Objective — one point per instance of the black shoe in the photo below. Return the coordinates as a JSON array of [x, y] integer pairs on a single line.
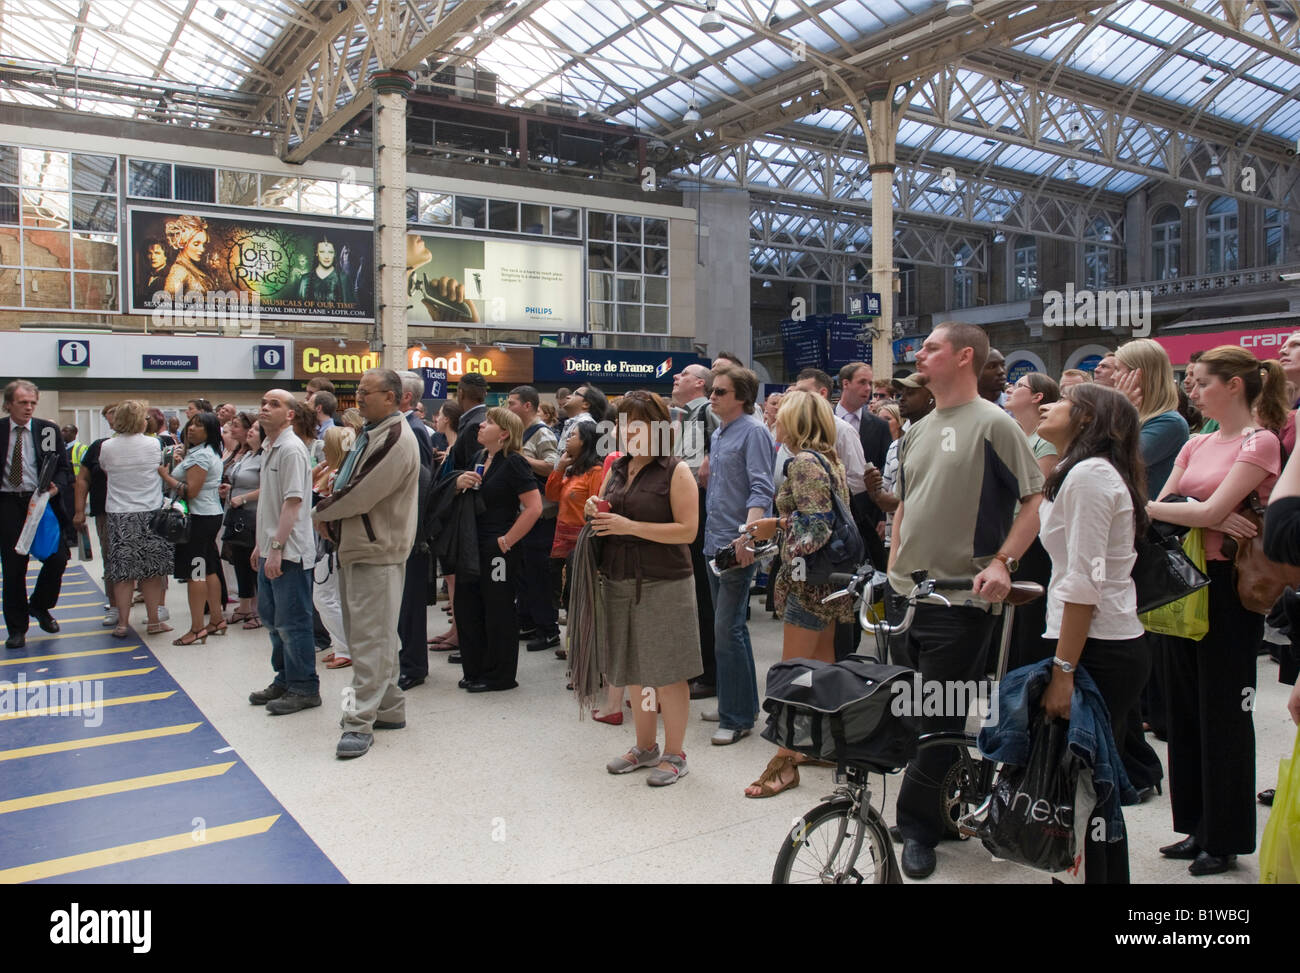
[[264, 696], [1184, 850], [483, 686], [544, 642], [292, 702], [46, 621], [918, 860], [464, 684], [1266, 797], [16, 641], [527, 633], [1146, 793], [702, 690], [1207, 864], [390, 724], [454, 658], [895, 835], [409, 682]]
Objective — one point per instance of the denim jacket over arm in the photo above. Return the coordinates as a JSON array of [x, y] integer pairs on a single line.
[[1019, 700]]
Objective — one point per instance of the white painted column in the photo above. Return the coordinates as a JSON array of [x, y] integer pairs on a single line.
[[389, 126]]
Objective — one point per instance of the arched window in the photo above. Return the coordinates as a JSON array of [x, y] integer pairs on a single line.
[[1275, 221], [1221, 235], [963, 279], [1096, 255], [1166, 233], [1024, 268]]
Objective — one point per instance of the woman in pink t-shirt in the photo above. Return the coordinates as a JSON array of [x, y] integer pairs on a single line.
[[1210, 683]]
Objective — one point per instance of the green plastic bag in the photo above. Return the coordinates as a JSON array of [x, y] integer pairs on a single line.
[[1279, 852], [1186, 618]]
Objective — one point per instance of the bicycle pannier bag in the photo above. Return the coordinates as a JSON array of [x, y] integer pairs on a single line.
[[842, 711]]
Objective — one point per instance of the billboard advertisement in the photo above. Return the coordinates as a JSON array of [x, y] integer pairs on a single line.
[[1263, 343], [509, 284], [280, 268]]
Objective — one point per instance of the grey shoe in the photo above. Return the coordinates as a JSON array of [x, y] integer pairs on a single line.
[[724, 738], [163, 613], [662, 778], [263, 696], [710, 717], [353, 744], [110, 618], [292, 702], [644, 758]]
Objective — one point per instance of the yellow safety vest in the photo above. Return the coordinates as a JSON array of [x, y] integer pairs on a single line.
[[77, 451]]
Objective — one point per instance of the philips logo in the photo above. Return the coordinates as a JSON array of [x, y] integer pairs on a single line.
[[664, 368], [529, 309]]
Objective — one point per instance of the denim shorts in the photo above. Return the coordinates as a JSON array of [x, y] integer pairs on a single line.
[[800, 617]]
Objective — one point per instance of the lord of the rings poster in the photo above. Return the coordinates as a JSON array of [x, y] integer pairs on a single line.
[[295, 268]]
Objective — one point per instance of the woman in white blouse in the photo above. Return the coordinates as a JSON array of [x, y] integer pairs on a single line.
[[1093, 507]]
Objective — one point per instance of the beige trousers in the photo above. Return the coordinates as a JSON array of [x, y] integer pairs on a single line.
[[371, 596]]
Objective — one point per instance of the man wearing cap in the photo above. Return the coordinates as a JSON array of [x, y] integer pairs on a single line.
[[914, 402]]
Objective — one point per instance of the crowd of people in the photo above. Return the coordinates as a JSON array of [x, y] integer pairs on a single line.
[[621, 533]]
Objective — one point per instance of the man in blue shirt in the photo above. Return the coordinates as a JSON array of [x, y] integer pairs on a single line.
[[740, 492]]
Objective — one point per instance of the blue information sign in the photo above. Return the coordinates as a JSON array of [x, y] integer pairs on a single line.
[[269, 358], [170, 363], [74, 353], [864, 305], [435, 382], [845, 345]]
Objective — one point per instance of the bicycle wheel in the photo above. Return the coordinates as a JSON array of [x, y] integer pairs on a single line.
[[832, 846]]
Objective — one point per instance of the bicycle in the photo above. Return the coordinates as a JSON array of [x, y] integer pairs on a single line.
[[827, 844]]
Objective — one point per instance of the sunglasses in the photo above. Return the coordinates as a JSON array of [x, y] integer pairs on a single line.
[[720, 392]]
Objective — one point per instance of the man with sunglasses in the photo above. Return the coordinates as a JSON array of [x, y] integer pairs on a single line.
[[740, 491]]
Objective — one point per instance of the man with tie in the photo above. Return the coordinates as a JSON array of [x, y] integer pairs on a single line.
[[30, 446]]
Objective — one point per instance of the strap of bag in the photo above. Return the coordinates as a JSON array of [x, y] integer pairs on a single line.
[[841, 743]]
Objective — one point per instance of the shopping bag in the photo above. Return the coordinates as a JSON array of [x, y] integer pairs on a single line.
[[1279, 852], [1186, 618], [48, 538], [36, 507], [1031, 812]]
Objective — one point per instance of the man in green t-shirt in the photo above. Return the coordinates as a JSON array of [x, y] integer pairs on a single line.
[[962, 469]]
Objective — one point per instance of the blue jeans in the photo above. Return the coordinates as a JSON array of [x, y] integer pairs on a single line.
[[737, 681], [285, 607]]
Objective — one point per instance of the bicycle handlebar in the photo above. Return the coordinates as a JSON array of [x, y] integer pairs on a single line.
[[862, 587]]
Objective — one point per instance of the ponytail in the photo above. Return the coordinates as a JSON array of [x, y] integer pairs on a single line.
[[1272, 406]]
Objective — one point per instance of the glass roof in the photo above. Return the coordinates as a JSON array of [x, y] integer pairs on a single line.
[[645, 62]]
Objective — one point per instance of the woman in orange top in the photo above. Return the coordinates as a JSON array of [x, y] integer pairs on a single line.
[[577, 476]]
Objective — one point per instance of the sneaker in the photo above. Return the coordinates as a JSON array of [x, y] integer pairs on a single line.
[[642, 758], [353, 744], [662, 778], [527, 634], [292, 702], [264, 696], [710, 717], [110, 618], [724, 738], [163, 613], [543, 642]]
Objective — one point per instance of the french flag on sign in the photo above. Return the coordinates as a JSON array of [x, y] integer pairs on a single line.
[[664, 368]]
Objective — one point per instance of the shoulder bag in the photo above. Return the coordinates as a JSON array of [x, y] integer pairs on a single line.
[[1260, 580], [843, 551], [171, 521]]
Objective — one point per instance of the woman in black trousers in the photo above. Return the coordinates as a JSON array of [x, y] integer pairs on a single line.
[[1209, 684], [486, 618]]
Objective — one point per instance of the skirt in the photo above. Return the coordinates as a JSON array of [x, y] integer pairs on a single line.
[[653, 642], [198, 557], [134, 552]]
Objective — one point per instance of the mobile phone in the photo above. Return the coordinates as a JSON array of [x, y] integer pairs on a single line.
[[602, 505], [479, 468]]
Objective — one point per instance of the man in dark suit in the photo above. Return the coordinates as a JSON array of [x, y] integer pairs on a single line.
[[471, 393], [413, 616], [34, 455]]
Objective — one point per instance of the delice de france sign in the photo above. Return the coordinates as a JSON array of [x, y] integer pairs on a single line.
[[606, 369]]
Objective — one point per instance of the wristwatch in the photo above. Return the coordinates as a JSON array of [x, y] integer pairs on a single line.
[[1012, 564], [276, 545], [1064, 666]]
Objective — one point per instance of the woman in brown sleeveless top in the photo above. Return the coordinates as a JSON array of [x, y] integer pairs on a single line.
[[647, 592]]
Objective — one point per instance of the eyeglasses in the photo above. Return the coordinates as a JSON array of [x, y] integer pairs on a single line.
[[719, 392], [881, 395]]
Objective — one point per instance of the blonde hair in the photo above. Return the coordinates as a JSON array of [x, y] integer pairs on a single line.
[[1159, 390], [503, 418], [1264, 383], [338, 440], [805, 421], [891, 409], [129, 416], [353, 419]]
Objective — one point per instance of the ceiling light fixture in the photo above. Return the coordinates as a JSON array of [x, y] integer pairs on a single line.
[[1191, 201], [999, 237], [692, 113], [711, 22], [959, 8], [1215, 171], [1074, 131], [1070, 174]]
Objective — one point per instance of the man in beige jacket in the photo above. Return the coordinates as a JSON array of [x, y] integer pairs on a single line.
[[371, 517]]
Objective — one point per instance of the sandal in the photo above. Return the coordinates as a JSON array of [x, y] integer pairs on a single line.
[[238, 616], [157, 628], [219, 629], [338, 663], [121, 632], [253, 621], [803, 760], [772, 781], [190, 637]]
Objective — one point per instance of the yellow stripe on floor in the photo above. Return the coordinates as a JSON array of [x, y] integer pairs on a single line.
[[70, 708], [113, 787], [65, 621], [41, 750], [46, 637], [82, 604], [65, 655], [140, 849], [114, 674]]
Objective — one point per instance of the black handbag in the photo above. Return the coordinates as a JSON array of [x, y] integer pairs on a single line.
[[171, 521], [843, 551], [240, 524], [1163, 572]]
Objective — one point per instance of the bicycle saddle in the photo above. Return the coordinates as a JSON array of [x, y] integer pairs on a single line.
[[1023, 592]]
